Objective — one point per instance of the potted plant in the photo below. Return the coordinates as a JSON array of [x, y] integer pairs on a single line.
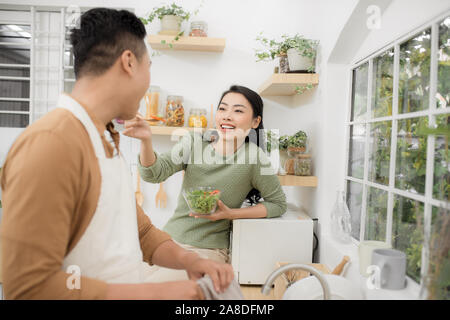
[[297, 143], [300, 49], [288, 146], [171, 17], [273, 49], [302, 53]]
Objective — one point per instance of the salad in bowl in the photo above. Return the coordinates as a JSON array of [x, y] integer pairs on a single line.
[[202, 200]]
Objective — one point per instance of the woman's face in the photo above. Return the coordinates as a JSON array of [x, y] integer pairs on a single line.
[[234, 117]]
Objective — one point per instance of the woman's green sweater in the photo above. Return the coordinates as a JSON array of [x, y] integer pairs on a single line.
[[234, 175]]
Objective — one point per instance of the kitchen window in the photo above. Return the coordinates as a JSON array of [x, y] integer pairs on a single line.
[[36, 61], [398, 173]]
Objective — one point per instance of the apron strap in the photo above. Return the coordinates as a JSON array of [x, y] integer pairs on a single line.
[[78, 111]]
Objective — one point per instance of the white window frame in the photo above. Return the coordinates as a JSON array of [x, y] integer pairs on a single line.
[[61, 46], [431, 112]]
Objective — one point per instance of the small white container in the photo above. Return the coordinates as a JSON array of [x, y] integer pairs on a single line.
[[170, 25], [298, 62]]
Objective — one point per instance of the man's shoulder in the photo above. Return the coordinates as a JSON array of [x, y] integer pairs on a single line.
[[57, 129], [58, 123]]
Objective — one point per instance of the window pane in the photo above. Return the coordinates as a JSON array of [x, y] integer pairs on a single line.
[[443, 87], [15, 72], [15, 47], [359, 92], [354, 200], [14, 89], [13, 120], [439, 263], [407, 232], [411, 156], [382, 82], [441, 182], [376, 214], [356, 151], [414, 77], [68, 52], [69, 74], [68, 86], [380, 150], [14, 105]]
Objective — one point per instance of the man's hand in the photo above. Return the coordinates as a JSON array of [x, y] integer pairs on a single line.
[[170, 255], [221, 273]]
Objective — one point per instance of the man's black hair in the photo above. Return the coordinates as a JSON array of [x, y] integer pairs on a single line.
[[102, 37]]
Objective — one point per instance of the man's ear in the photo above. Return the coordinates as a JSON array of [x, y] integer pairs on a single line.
[[127, 60]]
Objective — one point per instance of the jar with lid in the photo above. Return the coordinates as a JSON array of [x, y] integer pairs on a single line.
[[198, 29], [302, 165], [295, 151], [152, 105], [197, 118], [174, 111]]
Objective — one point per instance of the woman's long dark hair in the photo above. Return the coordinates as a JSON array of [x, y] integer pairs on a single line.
[[257, 135]]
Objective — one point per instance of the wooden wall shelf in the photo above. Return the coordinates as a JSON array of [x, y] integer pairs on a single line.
[[300, 181], [168, 131], [187, 43], [284, 84]]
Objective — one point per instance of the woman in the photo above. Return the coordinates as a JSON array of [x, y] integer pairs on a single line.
[[233, 163]]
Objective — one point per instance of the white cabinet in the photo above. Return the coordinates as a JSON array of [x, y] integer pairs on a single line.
[[257, 244]]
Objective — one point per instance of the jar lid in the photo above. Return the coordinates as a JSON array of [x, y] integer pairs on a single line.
[[303, 156], [175, 98], [154, 88], [198, 23]]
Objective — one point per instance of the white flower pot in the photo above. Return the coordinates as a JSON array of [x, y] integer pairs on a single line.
[[297, 62], [170, 25]]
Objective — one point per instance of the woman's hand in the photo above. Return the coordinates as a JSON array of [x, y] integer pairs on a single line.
[[138, 128], [223, 212]]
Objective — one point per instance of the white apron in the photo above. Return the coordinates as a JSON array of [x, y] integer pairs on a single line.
[[109, 249]]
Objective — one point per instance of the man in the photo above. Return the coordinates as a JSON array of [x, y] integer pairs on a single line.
[[68, 201]]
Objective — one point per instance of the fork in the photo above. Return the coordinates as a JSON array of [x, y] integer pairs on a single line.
[[161, 197]]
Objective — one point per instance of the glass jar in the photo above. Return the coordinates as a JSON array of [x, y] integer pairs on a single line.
[[289, 164], [174, 111], [284, 63], [197, 118], [302, 165], [152, 105], [198, 29], [295, 151]]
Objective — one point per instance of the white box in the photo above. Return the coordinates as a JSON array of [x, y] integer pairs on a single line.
[[257, 244]]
